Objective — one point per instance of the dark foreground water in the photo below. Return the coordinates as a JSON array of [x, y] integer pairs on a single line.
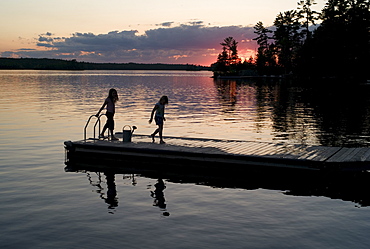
[[45, 205]]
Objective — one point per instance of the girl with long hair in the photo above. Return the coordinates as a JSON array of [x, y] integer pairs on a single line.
[[159, 118], [109, 102]]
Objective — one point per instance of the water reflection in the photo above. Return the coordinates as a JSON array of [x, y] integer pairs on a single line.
[[344, 115], [158, 195], [227, 94], [110, 197], [253, 109], [347, 186], [329, 114]]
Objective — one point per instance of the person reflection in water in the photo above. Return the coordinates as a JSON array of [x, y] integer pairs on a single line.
[[111, 199], [110, 102], [158, 195]]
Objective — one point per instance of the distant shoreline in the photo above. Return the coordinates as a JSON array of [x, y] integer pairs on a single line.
[[58, 64]]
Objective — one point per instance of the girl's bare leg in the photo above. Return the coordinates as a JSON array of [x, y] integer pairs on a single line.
[[103, 131], [160, 128], [154, 133]]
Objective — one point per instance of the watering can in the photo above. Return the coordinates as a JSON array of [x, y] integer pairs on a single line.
[[127, 134]]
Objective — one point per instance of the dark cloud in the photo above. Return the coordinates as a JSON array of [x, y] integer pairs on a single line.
[[45, 39], [165, 24], [186, 43], [196, 23]]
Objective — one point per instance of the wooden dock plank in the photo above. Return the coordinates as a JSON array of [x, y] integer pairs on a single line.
[[244, 146], [227, 146], [280, 151], [351, 152], [191, 144], [358, 154], [355, 155], [180, 147], [366, 156], [224, 146], [188, 143], [341, 155], [319, 153], [247, 151], [235, 145], [311, 151], [263, 149], [325, 153], [294, 151]]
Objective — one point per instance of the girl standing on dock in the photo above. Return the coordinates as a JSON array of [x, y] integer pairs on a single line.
[[159, 118], [110, 102]]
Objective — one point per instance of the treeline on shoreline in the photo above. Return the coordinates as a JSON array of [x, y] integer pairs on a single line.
[[58, 64], [306, 44]]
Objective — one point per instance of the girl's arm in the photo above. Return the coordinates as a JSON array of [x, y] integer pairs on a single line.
[[101, 108], [152, 114]]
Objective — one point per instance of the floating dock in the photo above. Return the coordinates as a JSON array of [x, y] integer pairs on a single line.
[[208, 154]]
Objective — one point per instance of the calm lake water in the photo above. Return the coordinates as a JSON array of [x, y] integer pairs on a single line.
[[46, 206]]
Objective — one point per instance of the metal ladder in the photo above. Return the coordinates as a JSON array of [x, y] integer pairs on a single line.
[[97, 122]]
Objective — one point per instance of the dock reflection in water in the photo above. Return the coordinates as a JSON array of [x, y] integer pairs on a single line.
[[347, 186]]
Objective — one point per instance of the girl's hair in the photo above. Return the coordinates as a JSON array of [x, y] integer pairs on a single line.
[[110, 95], [165, 98]]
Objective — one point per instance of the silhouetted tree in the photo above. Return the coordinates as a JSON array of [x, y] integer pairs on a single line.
[[341, 46], [266, 58], [287, 39], [228, 61], [231, 48], [307, 15]]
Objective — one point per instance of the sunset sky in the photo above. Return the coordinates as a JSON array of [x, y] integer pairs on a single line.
[[139, 31]]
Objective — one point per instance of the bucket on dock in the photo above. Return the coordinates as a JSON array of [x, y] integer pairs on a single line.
[[127, 134]]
